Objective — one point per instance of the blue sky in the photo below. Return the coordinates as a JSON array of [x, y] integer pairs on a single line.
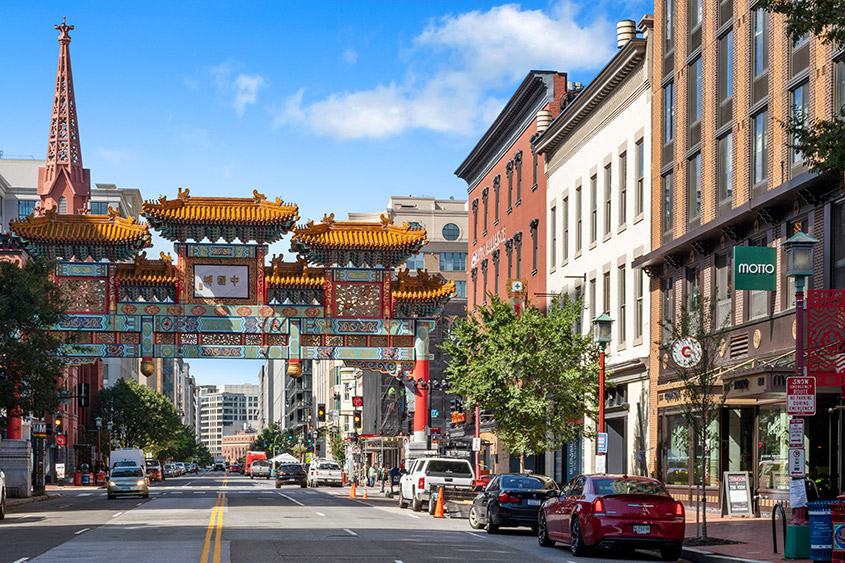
[[333, 105]]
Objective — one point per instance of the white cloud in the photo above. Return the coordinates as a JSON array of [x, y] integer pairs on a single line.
[[246, 91], [477, 53], [114, 156], [350, 56]]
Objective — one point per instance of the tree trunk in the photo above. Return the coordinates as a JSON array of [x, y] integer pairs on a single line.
[[522, 463], [704, 481]]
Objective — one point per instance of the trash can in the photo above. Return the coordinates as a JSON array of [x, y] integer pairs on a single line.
[[86, 479], [821, 530], [77, 478], [837, 514]]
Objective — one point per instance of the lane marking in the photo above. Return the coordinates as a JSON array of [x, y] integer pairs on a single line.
[[84, 494], [64, 506], [350, 532], [207, 544], [83, 530], [398, 561], [21, 560], [319, 514], [176, 492], [217, 541], [411, 515], [291, 499], [186, 484], [473, 534], [139, 504], [199, 492], [118, 514]]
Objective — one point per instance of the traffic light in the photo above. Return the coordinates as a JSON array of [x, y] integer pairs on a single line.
[[456, 404], [57, 424], [357, 419], [83, 394], [321, 412]]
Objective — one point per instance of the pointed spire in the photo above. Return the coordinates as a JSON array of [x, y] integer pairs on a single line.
[[63, 176]]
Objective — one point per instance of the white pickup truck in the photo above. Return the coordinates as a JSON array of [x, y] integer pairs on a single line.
[[324, 471], [431, 472]]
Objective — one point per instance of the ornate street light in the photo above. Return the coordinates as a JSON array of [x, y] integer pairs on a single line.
[[601, 334]]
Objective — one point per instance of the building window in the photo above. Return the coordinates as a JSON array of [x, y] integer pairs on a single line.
[[694, 102], [415, 225], [760, 46], [26, 207], [621, 319], [496, 271], [517, 240], [474, 277], [639, 311], [509, 251], [838, 246], [484, 282], [594, 209], [509, 172], [451, 230], [518, 164], [592, 299], [484, 194], [623, 188], [695, 14], [99, 208], [759, 148], [453, 261], [497, 180], [579, 320], [639, 154], [553, 236], [534, 164], [608, 191], [725, 173], [839, 86], [474, 222], [726, 67], [667, 308], [534, 245], [667, 201], [800, 102], [758, 305], [605, 297], [565, 213], [668, 113], [668, 25], [694, 192], [416, 262], [578, 219], [461, 289], [724, 289]]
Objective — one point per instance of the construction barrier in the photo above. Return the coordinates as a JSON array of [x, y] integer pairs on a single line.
[[101, 478], [837, 514], [821, 530]]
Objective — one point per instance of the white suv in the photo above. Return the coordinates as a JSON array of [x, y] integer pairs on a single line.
[[427, 472]]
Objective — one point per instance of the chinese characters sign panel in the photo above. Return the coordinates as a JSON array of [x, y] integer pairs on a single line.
[[221, 281]]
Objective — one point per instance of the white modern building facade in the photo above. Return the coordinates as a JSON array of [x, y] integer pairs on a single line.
[[597, 155], [225, 410]]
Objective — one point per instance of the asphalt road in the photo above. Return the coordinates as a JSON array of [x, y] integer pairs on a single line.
[[216, 518]]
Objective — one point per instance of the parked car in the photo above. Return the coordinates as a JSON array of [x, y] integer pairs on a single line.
[[291, 473], [234, 468], [179, 468], [2, 495], [613, 511], [169, 470], [511, 499], [260, 468], [324, 471], [427, 472], [126, 480]]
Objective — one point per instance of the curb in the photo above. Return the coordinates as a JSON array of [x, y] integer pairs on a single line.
[[12, 502], [696, 555]]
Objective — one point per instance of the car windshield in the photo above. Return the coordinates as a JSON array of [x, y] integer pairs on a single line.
[[446, 466], [329, 466], [523, 482], [628, 487], [127, 472], [291, 468]]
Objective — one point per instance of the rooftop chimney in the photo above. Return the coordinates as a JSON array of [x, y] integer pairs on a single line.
[[625, 31], [544, 118]]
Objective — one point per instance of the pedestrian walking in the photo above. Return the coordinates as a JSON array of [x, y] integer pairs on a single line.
[[372, 476]]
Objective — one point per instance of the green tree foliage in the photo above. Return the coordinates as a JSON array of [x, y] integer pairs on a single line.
[[533, 372], [273, 440], [30, 356], [702, 392], [821, 141], [338, 447]]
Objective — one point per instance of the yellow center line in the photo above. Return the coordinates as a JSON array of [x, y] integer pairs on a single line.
[[219, 530], [206, 546]]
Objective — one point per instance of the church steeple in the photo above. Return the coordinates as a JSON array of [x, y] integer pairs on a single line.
[[63, 182]]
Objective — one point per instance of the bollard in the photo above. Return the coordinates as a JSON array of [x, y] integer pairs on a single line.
[[821, 530]]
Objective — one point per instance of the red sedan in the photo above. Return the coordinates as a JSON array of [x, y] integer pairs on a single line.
[[613, 511]]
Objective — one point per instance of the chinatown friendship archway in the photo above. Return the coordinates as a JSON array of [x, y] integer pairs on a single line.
[[340, 299]]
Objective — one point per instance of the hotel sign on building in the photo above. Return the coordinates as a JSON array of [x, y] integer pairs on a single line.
[[755, 268]]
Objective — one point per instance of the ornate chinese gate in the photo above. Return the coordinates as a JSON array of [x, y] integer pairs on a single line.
[[340, 299]]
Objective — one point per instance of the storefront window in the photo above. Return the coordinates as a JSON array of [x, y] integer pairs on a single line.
[[839, 244], [773, 428], [711, 474], [677, 452], [740, 442]]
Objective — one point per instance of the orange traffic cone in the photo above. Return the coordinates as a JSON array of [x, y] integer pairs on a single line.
[[352, 490], [365, 494], [438, 508]]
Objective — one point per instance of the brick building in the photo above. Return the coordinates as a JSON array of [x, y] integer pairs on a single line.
[[726, 77]]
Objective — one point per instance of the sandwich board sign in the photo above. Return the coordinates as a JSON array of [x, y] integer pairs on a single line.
[[737, 493]]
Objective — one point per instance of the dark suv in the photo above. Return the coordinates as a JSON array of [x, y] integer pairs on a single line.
[[291, 473]]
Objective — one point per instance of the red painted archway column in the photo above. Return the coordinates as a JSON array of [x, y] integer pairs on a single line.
[[420, 399]]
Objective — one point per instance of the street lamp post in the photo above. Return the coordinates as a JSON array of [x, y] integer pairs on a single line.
[[99, 421], [601, 334], [799, 265]]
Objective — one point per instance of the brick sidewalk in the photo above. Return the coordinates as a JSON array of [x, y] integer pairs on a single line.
[[755, 533]]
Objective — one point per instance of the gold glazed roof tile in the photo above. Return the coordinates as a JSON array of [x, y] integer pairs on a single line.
[[145, 271], [349, 234], [293, 274], [422, 287], [104, 229], [231, 210]]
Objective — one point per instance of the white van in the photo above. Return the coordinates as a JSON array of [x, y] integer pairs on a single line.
[[124, 457]]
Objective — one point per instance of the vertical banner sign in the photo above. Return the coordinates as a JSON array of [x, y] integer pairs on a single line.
[[800, 396], [755, 268], [826, 335]]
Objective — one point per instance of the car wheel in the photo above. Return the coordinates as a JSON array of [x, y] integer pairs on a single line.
[[402, 503], [671, 553], [473, 519], [416, 503], [576, 541], [490, 527], [543, 532]]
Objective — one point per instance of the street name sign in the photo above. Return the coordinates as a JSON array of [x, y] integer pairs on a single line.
[[755, 267], [796, 433], [800, 396], [797, 460]]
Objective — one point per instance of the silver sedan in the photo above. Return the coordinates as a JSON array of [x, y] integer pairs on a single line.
[[128, 481]]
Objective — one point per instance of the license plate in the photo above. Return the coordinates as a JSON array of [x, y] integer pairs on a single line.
[[641, 529], [533, 502]]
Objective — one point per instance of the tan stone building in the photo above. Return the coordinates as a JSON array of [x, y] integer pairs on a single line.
[[726, 77]]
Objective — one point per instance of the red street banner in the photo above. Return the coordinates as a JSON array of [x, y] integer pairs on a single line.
[[826, 336]]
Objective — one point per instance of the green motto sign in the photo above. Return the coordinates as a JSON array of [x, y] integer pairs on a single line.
[[755, 267]]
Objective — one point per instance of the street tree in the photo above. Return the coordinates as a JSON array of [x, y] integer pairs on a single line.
[[532, 371], [820, 140], [31, 357], [702, 392], [338, 446], [273, 440]]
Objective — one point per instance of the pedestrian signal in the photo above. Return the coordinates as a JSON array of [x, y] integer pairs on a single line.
[[83, 394]]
